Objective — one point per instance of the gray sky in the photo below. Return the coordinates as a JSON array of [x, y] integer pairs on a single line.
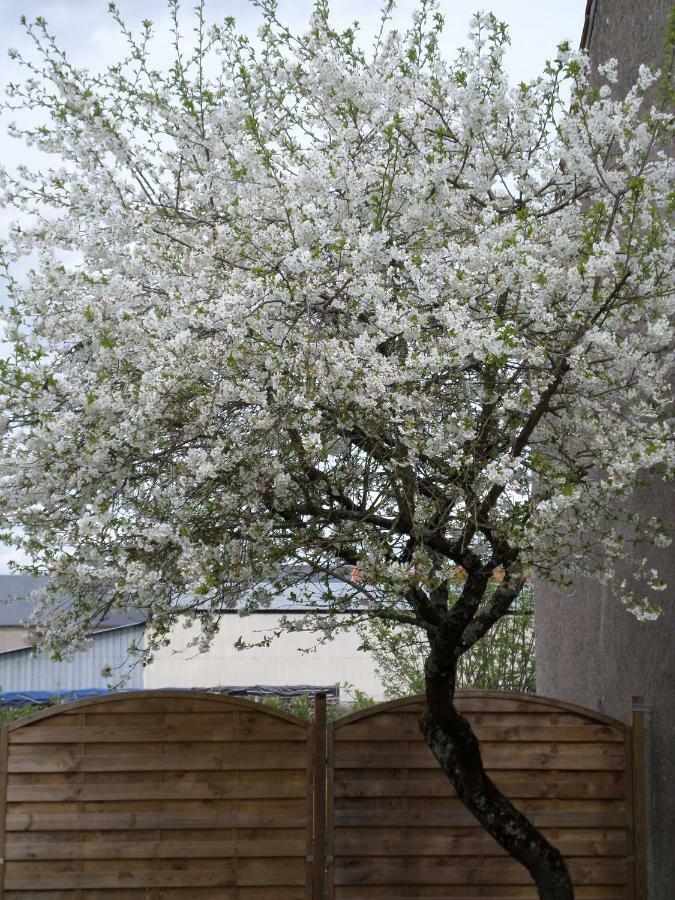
[[86, 31]]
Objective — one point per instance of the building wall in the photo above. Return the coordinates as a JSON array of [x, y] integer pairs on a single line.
[[630, 31], [282, 663], [21, 671], [13, 638], [590, 650]]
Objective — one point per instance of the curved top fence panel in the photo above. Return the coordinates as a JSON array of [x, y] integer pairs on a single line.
[[172, 792], [146, 698], [496, 701], [180, 794], [400, 831]]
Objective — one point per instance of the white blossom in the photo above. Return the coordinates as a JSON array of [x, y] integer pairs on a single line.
[[329, 308]]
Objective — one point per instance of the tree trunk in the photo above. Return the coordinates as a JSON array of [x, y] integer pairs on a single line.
[[455, 746]]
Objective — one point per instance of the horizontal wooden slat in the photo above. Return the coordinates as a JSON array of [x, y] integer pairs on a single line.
[[569, 842], [278, 807], [261, 749], [153, 762], [281, 892], [173, 714], [553, 818], [172, 702], [37, 734], [150, 850], [470, 892], [409, 721], [218, 778], [383, 870], [199, 874], [440, 804], [478, 703], [190, 835], [362, 731], [155, 791], [161, 820], [515, 784], [495, 756]]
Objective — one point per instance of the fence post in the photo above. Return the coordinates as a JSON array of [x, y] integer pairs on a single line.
[[319, 823], [639, 804], [4, 755]]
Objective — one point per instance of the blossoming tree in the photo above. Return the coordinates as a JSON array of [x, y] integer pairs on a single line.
[[296, 308]]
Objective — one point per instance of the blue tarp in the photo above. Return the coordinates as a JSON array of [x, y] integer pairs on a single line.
[[45, 698]]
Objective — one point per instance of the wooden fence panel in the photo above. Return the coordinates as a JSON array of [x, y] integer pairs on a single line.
[[161, 795], [399, 831], [177, 795]]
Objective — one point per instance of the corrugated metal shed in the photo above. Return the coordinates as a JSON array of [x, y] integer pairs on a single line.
[[21, 671]]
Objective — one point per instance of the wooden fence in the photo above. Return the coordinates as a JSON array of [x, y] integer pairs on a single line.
[[173, 794], [158, 794], [396, 828]]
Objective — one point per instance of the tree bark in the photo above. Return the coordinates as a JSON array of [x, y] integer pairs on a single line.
[[454, 744]]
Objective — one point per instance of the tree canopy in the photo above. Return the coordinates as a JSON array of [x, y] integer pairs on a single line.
[[320, 307], [296, 308]]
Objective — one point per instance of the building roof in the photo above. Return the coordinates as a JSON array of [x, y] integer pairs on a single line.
[[16, 604], [307, 595]]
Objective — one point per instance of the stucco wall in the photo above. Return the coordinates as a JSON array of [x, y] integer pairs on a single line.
[[589, 649], [282, 663]]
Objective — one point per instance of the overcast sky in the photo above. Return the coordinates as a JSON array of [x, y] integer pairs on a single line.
[[86, 31]]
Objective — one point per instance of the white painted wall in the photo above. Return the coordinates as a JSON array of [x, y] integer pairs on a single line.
[[282, 663]]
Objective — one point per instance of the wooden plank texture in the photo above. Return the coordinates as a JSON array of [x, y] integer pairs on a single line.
[[280, 892], [471, 892], [558, 733], [205, 761], [579, 757], [159, 796], [401, 832], [173, 795], [157, 849], [113, 734]]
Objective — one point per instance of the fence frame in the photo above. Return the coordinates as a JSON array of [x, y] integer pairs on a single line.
[[636, 771]]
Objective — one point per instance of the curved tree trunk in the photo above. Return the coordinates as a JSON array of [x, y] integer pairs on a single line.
[[455, 746]]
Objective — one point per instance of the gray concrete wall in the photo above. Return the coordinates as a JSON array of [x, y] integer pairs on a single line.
[[590, 650], [631, 31]]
